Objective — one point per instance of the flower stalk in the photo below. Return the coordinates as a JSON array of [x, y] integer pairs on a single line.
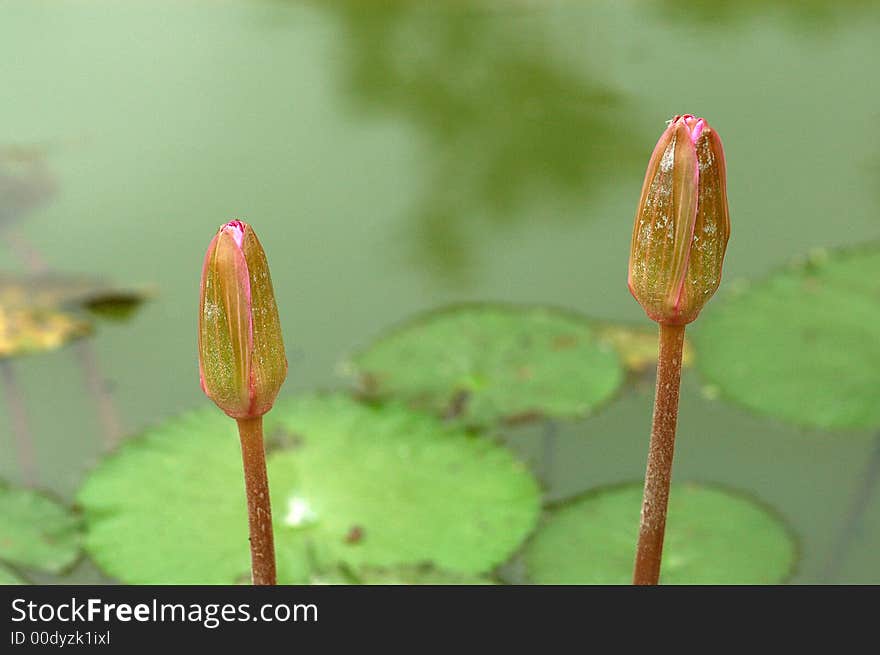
[[680, 236], [242, 365], [658, 476], [256, 482]]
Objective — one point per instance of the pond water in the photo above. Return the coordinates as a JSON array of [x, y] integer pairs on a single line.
[[411, 155]]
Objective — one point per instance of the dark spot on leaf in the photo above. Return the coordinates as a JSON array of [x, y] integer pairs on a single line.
[[523, 417], [812, 285], [369, 384], [458, 404], [354, 535], [524, 373], [282, 439], [564, 342], [809, 335]]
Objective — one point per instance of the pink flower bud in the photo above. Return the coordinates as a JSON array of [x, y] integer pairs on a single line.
[[682, 223], [242, 364]]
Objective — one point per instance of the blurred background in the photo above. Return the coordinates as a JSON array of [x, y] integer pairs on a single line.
[[398, 156]]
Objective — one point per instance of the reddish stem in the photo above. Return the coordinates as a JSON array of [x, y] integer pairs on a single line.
[[259, 508], [660, 452]]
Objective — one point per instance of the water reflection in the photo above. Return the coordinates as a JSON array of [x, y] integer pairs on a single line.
[[512, 131]]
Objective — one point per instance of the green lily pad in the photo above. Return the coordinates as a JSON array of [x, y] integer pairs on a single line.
[[383, 486], [484, 364], [351, 484], [37, 532], [401, 575], [713, 536], [7, 577], [803, 345], [169, 507]]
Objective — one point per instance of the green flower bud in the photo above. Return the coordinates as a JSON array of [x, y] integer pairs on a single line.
[[242, 364], [682, 223]]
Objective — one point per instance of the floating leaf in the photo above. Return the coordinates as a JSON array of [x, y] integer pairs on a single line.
[[351, 484], [402, 575], [37, 532], [637, 346], [115, 304], [803, 345], [712, 537], [55, 290], [387, 486], [169, 507], [44, 312], [7, 577], [26, 331], [489, 363]]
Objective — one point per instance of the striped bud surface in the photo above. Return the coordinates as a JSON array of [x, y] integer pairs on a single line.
[[242, 363], [682, 223]]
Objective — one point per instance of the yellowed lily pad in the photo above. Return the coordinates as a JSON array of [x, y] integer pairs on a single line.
[[24, 331], [637, 345], [42, 313]]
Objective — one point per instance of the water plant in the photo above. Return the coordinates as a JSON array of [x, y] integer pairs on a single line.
[[242, 365], [679, 239], [752, 354], [716, 536], [40, 312], [356, 488], [485, 364], [37, 533]]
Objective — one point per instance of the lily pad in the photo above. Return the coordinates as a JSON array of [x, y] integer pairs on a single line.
[[43, 312], [383, 486], [402, 575], [637, 345], [114, 304], [484, 364], [351, 485], [7, 577], [37, 532], [31, 330], [803, 345], [169, 507], [713, 536]]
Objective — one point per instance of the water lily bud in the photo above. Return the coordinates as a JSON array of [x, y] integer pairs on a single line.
[[682, 223], [242, 364]]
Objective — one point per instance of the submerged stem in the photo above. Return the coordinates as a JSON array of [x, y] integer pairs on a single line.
[[21, 431], [548, 451], [259, 508], [855, 518], [660, 452], [97, 386]]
